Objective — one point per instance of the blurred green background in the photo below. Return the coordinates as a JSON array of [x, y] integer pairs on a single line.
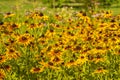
[[24, 5]]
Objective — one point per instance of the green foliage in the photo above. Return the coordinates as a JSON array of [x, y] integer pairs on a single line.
[[1, 17], [87, 3], [107, 3]]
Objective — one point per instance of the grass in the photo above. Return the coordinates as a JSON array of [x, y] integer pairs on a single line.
[[21, 6], [24, 5]]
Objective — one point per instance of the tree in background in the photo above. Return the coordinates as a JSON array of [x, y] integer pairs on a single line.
[[88, 4], [108, 3]]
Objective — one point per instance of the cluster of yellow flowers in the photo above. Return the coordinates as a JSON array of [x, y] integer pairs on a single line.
[[55, 41]]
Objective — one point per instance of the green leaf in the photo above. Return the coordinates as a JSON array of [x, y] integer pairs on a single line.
[[1, 17]]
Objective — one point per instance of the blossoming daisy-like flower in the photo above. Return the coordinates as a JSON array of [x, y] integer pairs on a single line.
[[78, 48], [70, 63], [24, 39], [55, 52], [8, 14], [52, 66], [2, 59], [117, 51], [13, 26], [48, 65], [98, 58], [90, 57], [82, 59], [100, 70], [79, 14], [41, 14], [107, 14], [58, 17], [56, 60], [36, 70], [32, 25], [2, 74], [12, 53], [42, 41], [113, 26], [45, 18], [6, 67]]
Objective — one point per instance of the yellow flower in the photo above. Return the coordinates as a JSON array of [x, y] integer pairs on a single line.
[[67, 47], [42, 41], [82, 59], [102, 26], [45, 18], [2, 59], [10, 43], [41, 14], [114, 40], [45, 64], [116, 50], [77, 48], [50, 33], [2, 74], [36, 70], [12, 53], [52, 66], [58, 17], [56, 60], [70, 63], [37, 15], [24, 39], [8, 15], [98, 58], [79, 14], [33, 25], [100, 70], [56, 25], [90, 57], [49, 65], [6, 67], [55, 52], [98, 49], [113, 26], [40, 25], [13, 26], [108, 14]]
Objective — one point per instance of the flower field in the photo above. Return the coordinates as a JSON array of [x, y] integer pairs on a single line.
[[66, 45]]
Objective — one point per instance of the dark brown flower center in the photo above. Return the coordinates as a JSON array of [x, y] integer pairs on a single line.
[[50, 63], [24, 38], [36, 69], [11, 50]]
